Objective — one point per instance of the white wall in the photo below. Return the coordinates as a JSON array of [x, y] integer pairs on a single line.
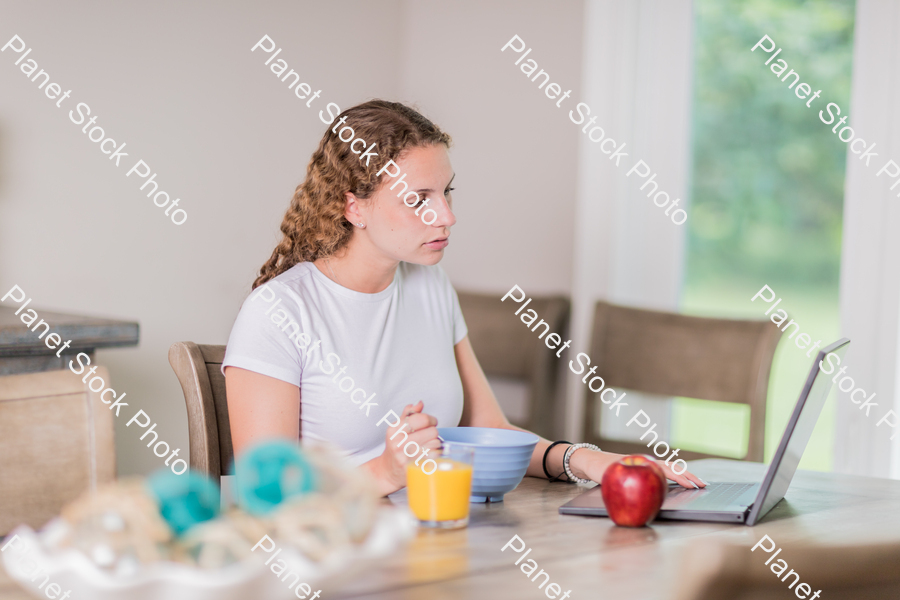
[[515, 153], [178, 83]]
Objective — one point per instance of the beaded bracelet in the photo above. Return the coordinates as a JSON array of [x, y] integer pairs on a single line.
[[571, 450]]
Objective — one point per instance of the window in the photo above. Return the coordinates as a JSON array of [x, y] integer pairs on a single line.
[[767, 198]]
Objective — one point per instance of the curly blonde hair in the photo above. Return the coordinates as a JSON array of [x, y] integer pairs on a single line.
[[314, 225]]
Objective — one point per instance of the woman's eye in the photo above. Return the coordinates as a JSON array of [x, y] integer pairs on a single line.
[[448, 190]]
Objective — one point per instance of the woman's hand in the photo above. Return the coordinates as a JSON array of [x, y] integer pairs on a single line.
[[590, 464], [389, 469]]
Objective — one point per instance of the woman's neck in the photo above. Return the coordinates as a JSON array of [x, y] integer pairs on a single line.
[[359, 270]]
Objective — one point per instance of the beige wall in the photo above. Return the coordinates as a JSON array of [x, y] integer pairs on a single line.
[[516, 154], [178, 84]]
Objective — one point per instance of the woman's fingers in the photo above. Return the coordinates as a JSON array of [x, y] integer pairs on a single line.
[[425, 431], [418, 428], [424, 438], [433, 444], [695, 479], [686, 479], [410, 409], [413, 419], [682, 481], [419, 421], [429, 443], [415, 427], [405, 414], [407, 410]]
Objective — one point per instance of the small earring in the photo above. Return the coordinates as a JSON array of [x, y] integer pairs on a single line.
[[362, 225]]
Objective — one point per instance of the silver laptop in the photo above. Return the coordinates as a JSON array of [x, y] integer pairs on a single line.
[[742, 502]]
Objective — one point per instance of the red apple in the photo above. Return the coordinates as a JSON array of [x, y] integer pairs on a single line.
[[633, 489]]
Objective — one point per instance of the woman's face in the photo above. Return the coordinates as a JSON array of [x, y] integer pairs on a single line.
[[394, 227]]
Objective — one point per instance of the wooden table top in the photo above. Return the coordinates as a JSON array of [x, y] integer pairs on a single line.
[[592, 557], [89, 333]]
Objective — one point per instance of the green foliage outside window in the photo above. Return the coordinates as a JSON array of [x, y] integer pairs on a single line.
[[767, 195], [768, 175]]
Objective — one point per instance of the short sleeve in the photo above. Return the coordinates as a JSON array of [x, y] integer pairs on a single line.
[[263, 339], [460, 330]]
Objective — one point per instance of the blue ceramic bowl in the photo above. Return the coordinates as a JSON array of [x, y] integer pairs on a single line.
[[501, 458]]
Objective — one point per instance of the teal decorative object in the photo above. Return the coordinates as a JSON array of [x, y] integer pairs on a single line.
[[184, 500], [269, 473]]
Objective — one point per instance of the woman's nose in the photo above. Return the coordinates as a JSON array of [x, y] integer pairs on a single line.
[[445, 216]]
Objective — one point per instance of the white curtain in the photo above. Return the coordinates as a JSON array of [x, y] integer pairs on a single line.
[[870, 261], [637, 79]]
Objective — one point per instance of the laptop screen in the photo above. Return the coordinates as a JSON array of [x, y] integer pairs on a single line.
[[798, 431]]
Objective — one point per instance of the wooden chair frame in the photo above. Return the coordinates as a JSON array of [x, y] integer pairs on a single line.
[[198, 368], [505, 346], [679, 355]]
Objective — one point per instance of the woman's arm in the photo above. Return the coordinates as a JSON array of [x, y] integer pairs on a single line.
[[260, 407], [481, 409]]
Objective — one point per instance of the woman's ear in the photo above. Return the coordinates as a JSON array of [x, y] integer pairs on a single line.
[[352, 208]]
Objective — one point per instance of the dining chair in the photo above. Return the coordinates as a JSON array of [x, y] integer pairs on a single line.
[[199, 371], [506, 347], [47, 421], [720, 571], [671, 354]]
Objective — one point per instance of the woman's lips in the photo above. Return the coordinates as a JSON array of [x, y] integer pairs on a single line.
[[437, 244]]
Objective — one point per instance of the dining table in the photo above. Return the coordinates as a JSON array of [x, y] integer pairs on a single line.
[[590, 557]]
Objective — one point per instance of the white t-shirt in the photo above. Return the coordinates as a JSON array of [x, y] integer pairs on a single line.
[[354, 355]]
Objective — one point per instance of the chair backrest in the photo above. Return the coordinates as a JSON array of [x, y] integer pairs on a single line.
[[45, 444], [199, 371], [506, 347], [716, 571], [678, 355]]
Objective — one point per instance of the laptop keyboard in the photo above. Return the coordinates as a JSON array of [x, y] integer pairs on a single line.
[[713, 497]]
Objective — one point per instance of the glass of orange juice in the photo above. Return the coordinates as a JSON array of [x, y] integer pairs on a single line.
[[439, 496]]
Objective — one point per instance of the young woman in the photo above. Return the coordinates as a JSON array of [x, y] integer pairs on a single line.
[[352, 317]]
